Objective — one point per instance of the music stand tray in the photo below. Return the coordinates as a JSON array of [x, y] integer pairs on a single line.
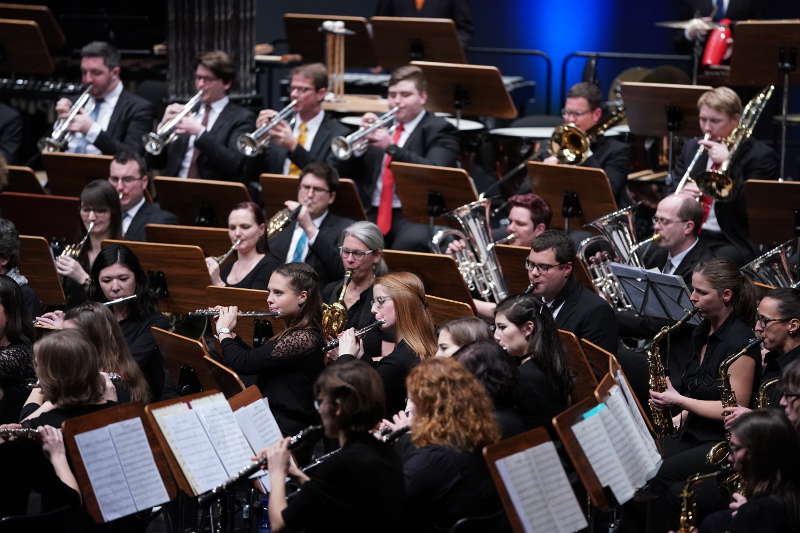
[[438, 272], [443, 310], [654, 294], [23, 179], [53, 217], [277, 188], [36, 264], [68, 174], [302, 32], [643, 101], [41, 15], [772, 210], [194, 201], [757, 52], [213, 241], [24, 48], [400, 40], [445, 187], [512, 261]]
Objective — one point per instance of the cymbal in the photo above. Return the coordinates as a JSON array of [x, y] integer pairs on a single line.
[[678, 24]]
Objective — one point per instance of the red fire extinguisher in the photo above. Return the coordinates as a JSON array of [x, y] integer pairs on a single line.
[[719, 40]]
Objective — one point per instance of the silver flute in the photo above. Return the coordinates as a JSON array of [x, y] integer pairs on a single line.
[[359, 333], [215, 313], [27, 433], [120, 300]]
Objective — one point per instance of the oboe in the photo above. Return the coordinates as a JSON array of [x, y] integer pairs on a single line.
[[359, 333]]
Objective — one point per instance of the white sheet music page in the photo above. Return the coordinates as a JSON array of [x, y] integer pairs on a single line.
[[633, 462], [105, 474], [644, 453], [539, 489], [258, 425], [641, 425], [597, 446], [138, 464], [217, 417]]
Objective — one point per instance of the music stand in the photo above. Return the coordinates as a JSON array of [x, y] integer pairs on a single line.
[[400, 40], [586, 190], [36, 264], [245, 300], [302, 32], [53, 217], [23, 179], [643, 101], [512, 263], [230, 384], [654, 294], [277, 188], [765, 52], [180, 351], [183, 269], [585, 380], [41, 15], [472, 90], [438, 272], [213, 241], [445, 188], [23, 48], [772, 210], [598, 358], [200, 202], [68, 174], [443, 310]]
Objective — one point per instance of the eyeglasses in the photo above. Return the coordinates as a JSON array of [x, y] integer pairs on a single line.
[[300, 89], [764, 321], [96, 210], [379, 301], [315, 190], [126, 180], [736, 447], [207, 79], [358, 254], [576, 114], [665, 221], [541, 267]]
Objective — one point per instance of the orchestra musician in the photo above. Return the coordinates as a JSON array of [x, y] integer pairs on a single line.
[[206, 144], [313, 235], [254, 263], [790, 393], [725, 228], [10, 133], [9, 266], [419, 137], [128, 175], [119, 119], [16, 350], [459, 332]]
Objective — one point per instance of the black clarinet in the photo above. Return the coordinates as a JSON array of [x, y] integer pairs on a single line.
[[359, 333]]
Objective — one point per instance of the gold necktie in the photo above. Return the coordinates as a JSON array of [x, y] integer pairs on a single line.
[[294, 170]]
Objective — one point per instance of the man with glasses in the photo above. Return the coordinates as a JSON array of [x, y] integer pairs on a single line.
[[206, 146], [313, 236], [128, 175]]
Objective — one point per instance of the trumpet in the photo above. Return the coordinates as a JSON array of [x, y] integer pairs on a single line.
[[155, 141], [215, 313], [221, 258], [359, 333], [60, 136], [343, 147], [74, 250], [252, 144]]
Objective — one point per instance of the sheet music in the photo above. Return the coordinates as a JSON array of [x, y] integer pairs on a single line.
[[539, 489], [642, 446], [217, 417], [634, 463], [258, 425], [641, 425], [105, 473], [597, 446], [139, 467]]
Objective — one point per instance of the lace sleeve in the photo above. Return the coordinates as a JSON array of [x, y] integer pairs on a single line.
[[16, 363], [297, 342]]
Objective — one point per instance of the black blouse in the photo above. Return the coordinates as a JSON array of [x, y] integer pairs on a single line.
[[286, 368], [16, 369], [359, 314], [537, 400], [144, 349], [774, 363], [258, 276]]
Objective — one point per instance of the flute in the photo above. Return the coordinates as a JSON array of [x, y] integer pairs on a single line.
[[360, 333], [27, 433], [120, 300], [215, 313]]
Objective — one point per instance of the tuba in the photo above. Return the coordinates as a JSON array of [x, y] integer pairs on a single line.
[[60, 136], [571, 145], [343, 147], [334, 316], [478, 263], [252, 144], [775, 267], [155, 141]]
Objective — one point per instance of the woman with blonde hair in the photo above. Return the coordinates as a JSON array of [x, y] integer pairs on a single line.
[[400, 302]]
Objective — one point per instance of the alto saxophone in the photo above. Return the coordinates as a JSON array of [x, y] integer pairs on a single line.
[[334, 316], [662, 421], [688, 518]]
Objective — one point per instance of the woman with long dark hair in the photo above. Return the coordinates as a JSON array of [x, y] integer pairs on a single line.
[[16, 349]]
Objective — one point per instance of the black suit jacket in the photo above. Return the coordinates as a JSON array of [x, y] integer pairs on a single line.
[[323, 254], [147, 214], [614, 157], [10, 132], [272, 159], [655, 257], [458, 10], [587, 315], [754, 160], [131, 119], [219, 158], [432, 142]]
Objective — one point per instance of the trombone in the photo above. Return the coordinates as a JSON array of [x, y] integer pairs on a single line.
[[343, 147], [252, 144], [60, 136], [155, 141]]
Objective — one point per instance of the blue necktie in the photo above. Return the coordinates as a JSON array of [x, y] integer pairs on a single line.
[[720, 12], [299, 248], [81, 148]]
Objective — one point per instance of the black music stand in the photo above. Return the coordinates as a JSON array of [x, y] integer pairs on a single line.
[[766, 51], [654, 294], [679, 105], [302, 32], [23, 48], [445, 188], [399, 40]]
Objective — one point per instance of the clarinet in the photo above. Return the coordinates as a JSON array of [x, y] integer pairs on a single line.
[[360, 333], [294, 442]]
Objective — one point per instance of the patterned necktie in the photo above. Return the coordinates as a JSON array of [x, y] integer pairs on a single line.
[[300, 248], [294, 170], [94, 114], [387, 189], [193, 173], [706, 201]]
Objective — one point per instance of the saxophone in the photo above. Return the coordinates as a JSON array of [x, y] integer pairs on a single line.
[[334, 316], [662, 421], [688, 518], [763, 389]]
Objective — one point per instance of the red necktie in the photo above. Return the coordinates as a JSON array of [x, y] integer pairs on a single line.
[[196, 153], [387, 189], [706, 201]]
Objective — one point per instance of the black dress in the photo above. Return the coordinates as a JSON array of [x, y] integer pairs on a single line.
[[360, 489], [144, 349], [286, 368], [16, 369], [537, 400], [763, 514], [258, 276]]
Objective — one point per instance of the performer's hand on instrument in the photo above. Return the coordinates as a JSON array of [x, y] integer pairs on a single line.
[[264, 116], [213, 271], [729, 414], [6, 438], [697, 27], [53, 319], [70, 268], [190, 125], [52, 441], [691, 190], [717, 151], [669, 397], [305, 221], [550, 160], [277, 458], [456, 246], [738, 501], [349, 344], [380, 138], [81, 122], [62, 107], [368, 119], [227, 316], [171, 111], [291, 205], [283, 135]]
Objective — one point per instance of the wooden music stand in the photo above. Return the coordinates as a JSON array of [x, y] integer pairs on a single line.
[[24, 48], [555, 182], [213, 241], [36, 264], [438, 272], [53, 217], [68, 174], [585, 380], [512, 263], [23, 179], [772, 208], [643, 101], [245, 300], [194, 200], [183, 267], [229, 382], [453, 187], [302, 32], [400, 40], [41, 15], [245, 397], [277, 188], [614, 368], [443, 310], [467, 90], [180, 351], [82, 424], [599, 359]]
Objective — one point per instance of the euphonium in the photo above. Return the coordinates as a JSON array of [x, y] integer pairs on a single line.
[[343, 147], [688, 517], [252, 144], [221, 258], [74, 250], [662, 421], [763, 393], [775, 267], [571, 145], [155, 141], [334, 316], [60, 136]]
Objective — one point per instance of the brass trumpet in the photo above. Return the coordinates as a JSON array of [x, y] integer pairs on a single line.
[[343, 147], [222, 258], [250, 314], [252, 144], [60, 136], [155, 141]]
